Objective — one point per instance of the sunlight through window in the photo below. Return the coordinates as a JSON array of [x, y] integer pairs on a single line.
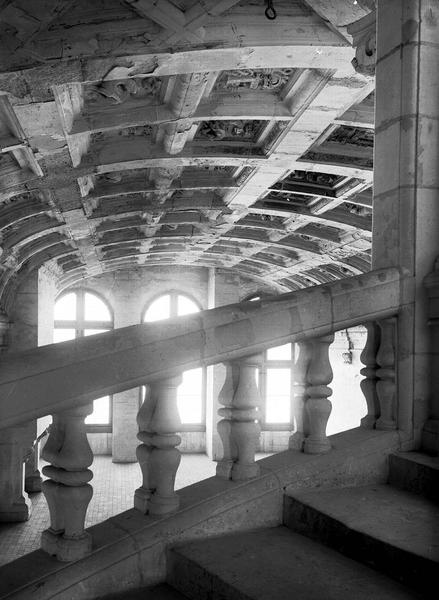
[[190, 393], [79, 314], [95, 309], [65, 308]]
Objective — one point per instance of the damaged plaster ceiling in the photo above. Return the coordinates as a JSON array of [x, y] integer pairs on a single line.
[[184, 132]]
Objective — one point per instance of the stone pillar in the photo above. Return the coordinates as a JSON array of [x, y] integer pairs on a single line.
[[14, 501], [223, 288], [430, 433], [18, 332], [300, 415], [158, 456], [126, 403], [238, 428], [386, 386], [67, 490], [406, 187], [369, 371], [317, 406], [125, 409]]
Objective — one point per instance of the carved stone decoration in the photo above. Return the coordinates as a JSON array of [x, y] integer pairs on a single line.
[[363, 34], [117, 92], [358, 136], [230, 131], [254, 79], [358, 210], [312, 177]]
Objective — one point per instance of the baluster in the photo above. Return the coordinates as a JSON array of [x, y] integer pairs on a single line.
[[239, 430], [224, 427], [369, 384], [317, 405], [158, 456], [68, 492], [33, 479], [300, 415], [386, 386]]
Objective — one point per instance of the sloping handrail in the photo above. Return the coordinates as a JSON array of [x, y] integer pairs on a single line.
[[51, 378]]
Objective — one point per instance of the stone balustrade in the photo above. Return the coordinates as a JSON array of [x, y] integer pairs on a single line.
[[215, 337]]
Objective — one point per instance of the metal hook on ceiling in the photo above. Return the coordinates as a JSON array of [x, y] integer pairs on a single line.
[[270, 11]]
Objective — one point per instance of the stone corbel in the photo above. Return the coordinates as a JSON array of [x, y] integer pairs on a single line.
[[363, 34]]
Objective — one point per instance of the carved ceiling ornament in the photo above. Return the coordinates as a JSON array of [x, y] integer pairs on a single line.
[[363, 34], [254, 79], [230, 131], [117, 92], [352, 135], [314, 177]]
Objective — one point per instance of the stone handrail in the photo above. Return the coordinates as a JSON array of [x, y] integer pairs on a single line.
[[66, 375]]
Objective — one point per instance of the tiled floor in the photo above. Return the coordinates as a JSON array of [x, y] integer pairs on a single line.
[[113, 486]]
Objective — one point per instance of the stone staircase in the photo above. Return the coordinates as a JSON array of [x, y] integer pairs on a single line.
[[375, 541]]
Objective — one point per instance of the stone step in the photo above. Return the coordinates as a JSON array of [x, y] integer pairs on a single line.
[[415, 472], [162, 591], [274, 564], [391, 530]]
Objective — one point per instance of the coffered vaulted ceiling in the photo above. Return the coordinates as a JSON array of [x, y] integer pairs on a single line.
[[184, 132]]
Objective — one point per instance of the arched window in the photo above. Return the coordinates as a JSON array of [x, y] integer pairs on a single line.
[[192, 391], [276, 380], [276, 385], [79, 313]]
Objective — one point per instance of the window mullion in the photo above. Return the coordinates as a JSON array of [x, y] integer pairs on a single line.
[[81, 313]]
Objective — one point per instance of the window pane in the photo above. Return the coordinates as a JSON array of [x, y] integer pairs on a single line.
[[94, 331], [186, 306], [95, 309], [101, 412], [159, 309], [278, 397], [189, 396], [62, 335], [279, 352], [65, 308]]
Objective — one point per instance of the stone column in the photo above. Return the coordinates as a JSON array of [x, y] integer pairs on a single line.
[[127, 310], [14, 501], [300, 415], [317, 406], [369, 371], [67, 490], [386, 386], [238, 428], [18, 332], [159, 458], [406, 187], [430, 434]]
